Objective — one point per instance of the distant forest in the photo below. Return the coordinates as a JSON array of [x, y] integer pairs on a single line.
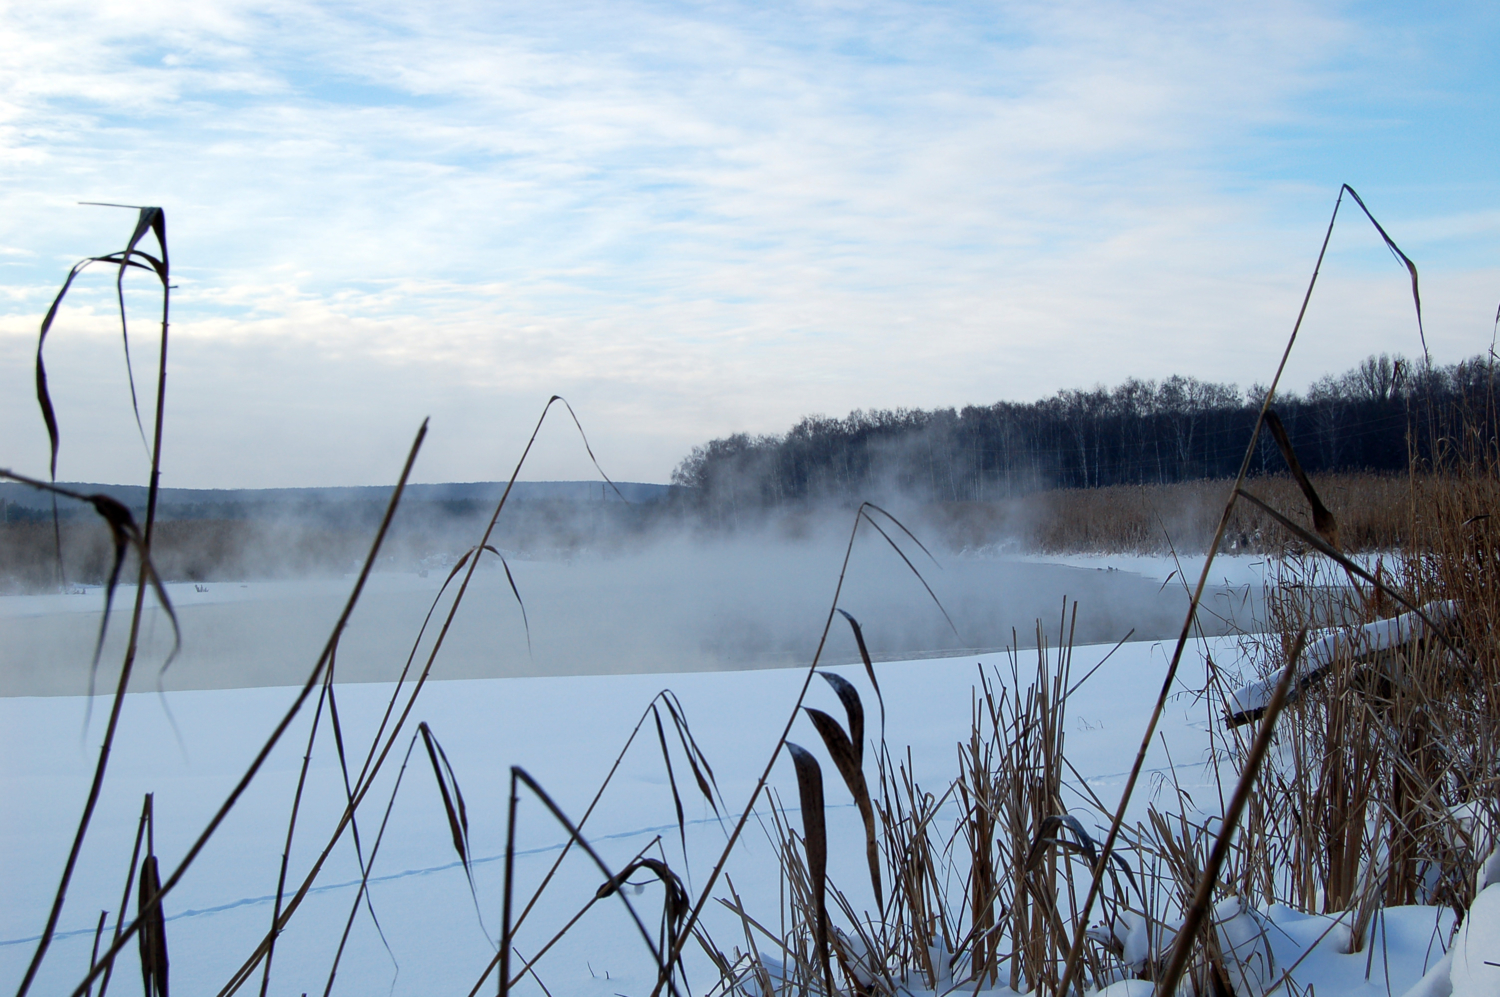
[[1371, 418]]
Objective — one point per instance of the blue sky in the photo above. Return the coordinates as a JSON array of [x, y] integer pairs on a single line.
[[693, 220]]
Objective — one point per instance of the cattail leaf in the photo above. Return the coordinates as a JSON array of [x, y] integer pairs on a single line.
[[1323, 520], [815, 840], [666, 757], [847, 761], [864, 655], [690, 748], [453, 798], [853, 709], [153, 934]]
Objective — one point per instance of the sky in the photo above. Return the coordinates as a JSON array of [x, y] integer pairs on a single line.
[[695, 220]]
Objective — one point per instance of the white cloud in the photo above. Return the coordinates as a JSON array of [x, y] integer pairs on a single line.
[[690, 221]]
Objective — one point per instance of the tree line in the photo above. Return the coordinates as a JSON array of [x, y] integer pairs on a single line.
[[1374, 417]]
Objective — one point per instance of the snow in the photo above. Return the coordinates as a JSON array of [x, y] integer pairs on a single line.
[[188, 747], [1233, 570], [563, 730], [1249, 701]]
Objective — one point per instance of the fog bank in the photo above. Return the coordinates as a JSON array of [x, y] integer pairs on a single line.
[[668, 603]]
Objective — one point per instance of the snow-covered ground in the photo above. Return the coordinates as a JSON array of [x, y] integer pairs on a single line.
[[189, 746]]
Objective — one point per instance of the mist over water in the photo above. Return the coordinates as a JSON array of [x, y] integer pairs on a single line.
[[668, 600]]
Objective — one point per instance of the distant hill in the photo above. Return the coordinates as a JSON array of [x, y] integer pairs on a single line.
[[23, 502]]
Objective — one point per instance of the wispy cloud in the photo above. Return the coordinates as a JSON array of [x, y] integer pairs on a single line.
[[692, 219]]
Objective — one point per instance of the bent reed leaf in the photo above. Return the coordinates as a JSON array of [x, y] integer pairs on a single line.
[[666, 757], [665, 960], [853, 709], [453, 799], [1323, 520], [125, 536], [676, 903], [864, 656], [846, 759], [697, 760], [815, 841], [525, 622], [864, 511]]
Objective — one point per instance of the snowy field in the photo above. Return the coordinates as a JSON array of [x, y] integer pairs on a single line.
[[565, 730]]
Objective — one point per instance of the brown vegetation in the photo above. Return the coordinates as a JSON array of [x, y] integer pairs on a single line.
[[1373, 510]]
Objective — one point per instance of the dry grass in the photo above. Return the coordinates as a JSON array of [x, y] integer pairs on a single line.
[[1384, 790], [1372, 511], [1380, 788]]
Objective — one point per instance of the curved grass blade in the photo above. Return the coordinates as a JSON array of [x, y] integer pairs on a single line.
[[853, 709], [666, 757], [815, 840], [1323, 521], [43, 394], [902, 554], [697, 761], [520, 775], [674, 904], [1319, 544], [674, 708], [125, 535], [556, 937], [846, 759], [864, 655], [453, 805], [1411, 268], [588, 449], [149, 219], [525, 623]]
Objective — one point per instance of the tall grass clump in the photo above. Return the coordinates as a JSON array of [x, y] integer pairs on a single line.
[[976, 884], [1384, 787]]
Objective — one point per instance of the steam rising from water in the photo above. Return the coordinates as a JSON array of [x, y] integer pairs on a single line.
[[669, 601]]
